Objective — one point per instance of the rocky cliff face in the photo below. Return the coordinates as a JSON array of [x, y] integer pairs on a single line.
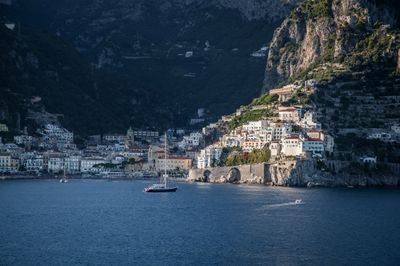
[[398, 61], [309, 173], [322, 31]]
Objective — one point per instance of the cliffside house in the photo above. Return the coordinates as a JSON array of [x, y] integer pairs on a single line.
[[292, 145], [3, 128], [290, 114], [284, 93]]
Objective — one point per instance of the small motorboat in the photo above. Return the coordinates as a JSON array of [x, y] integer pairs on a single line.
[[298, 201], [64, 178]]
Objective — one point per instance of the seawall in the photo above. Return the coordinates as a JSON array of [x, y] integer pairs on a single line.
[[298, 173]]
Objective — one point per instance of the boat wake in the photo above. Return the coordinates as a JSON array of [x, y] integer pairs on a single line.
[[278, 205]]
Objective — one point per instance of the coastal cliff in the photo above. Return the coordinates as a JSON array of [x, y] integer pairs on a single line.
[[312, 173], [323, 31], [301, 173]]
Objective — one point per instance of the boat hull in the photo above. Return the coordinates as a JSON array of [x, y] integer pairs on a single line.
[[158, 190]]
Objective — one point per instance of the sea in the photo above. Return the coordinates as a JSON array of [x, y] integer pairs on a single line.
[[99, 222]]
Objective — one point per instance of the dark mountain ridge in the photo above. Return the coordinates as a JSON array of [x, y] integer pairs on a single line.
[[131, 65]]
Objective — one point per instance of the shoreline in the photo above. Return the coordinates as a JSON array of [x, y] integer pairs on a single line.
[[305, 186], [47, 177]]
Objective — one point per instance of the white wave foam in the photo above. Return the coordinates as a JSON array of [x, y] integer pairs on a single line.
[[292, 203]]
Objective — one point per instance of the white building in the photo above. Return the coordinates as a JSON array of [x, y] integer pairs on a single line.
[[290, 114], [115, 138], [256, 144], [54, 134], [10, 26], [255, 126], [208, 157], [193, 140], [231, 141], [34, 163], [55, 164], [5, 162], [380, 135], [311, 83], [314, 146], [23, 139], [309, 121], [144, 134], [279, 130], [87, 164], [3, 128], [72, 164], [275, 148], [173, 163], [188, 54], [292, 145], [396, 128]]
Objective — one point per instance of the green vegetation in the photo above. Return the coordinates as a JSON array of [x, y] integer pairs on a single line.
[[249, 116], [385, 152], [372, 48], [329, 48], [313, 9], [265, 99], [256, 156], [291, 47], [299, 97]]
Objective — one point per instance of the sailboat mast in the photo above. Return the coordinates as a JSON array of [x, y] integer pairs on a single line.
[[165, 159]]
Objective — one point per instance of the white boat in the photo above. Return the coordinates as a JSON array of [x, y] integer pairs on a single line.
[[64, 178], [298, 201], [163, 185]]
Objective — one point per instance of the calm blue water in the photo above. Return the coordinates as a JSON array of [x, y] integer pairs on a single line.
[[115, 223]]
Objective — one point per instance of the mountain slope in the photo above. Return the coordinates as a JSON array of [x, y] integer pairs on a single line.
[[141, 75], [324, 31], [350, 49]]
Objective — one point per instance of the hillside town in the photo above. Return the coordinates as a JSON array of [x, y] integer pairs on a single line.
[[138, 153], [283, 132], [289, 132]]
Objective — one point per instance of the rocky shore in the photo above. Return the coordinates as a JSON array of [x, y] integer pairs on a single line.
[[300, 173]]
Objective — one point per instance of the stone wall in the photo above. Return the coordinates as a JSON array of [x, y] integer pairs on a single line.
[[249, 174], [295, 173]]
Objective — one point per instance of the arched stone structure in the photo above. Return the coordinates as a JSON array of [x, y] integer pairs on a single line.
[[254, 174], [206, 176], [234, 175]]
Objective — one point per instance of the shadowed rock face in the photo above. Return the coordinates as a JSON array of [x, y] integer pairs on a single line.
[[321, 30], [398, 61], [135, 52]]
